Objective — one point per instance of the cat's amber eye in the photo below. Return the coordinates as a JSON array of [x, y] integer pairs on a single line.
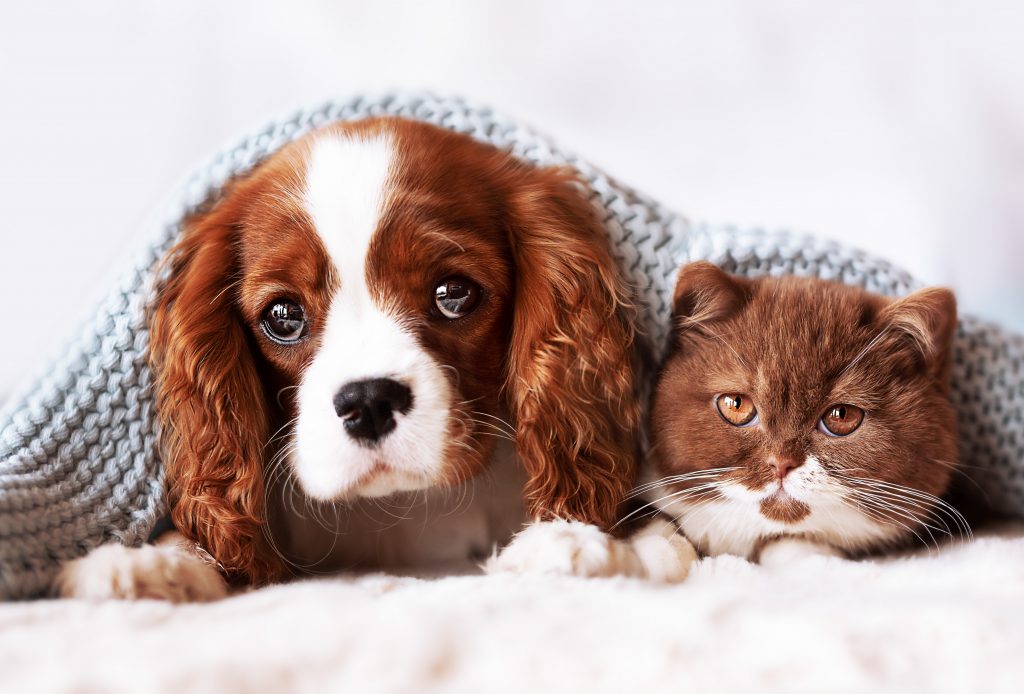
[[841, 420], [736, 409]]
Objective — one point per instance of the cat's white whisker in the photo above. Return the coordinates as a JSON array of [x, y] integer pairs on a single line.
[[877, 516], [692, 507], [864, 352], [907, 493], [892, 514], [888, 507], [908, 504], [675, 479], [698, 320], [680, 495]]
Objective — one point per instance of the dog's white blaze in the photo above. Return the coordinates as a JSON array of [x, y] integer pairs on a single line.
[[347, 193], [734, 523], [347, 190]]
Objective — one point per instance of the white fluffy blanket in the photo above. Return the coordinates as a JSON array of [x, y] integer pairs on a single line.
[[948, 621]]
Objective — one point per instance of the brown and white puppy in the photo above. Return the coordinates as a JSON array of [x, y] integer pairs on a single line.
[[369, 313], [797, 416]]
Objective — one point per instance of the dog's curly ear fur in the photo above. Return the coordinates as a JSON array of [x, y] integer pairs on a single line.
[[210, 400], [571, 372]]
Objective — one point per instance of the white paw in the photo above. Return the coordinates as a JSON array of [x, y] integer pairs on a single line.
[[115, 572], [665, 554], [567, 548], [789, 550]]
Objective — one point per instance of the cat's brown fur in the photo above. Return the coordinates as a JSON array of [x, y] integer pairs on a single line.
[[796, 347]]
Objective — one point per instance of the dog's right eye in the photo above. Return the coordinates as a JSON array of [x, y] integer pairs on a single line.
[[456, 297], [285, 322]]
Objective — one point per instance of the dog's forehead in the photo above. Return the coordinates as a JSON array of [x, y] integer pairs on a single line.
[[389, 201], [347, 190]]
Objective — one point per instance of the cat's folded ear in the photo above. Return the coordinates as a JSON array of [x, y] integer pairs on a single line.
[[924, 323], [706, 294]]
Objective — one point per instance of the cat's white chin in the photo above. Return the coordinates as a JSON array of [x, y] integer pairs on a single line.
[[734, 522]]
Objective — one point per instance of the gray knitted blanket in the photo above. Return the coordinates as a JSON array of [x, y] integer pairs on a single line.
[[78, 450]]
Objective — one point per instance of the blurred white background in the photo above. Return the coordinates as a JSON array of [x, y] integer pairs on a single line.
[[894, 126]]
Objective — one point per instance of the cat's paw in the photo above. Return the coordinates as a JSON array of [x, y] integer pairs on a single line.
[[116, 572], [567, 548], [785, 551], [665, 554]]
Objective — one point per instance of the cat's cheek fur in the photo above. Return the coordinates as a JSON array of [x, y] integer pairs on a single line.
[[735, 522], [738, 528]]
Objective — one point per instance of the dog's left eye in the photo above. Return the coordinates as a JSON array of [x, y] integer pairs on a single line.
[[284, 321], [456, 297]]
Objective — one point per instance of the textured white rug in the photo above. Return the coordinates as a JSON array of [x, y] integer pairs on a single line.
[[949, 621]]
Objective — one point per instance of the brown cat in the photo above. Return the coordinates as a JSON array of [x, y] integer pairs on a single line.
[[796, 415]]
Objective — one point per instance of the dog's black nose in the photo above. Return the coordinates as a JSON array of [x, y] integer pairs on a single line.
[[368, 408]]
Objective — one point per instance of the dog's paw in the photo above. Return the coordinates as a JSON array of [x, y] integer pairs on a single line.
[[567, 548], [665, 554], [115, 572]]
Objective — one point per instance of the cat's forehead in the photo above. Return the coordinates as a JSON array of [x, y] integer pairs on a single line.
[[795, 335], [813, 310], [808, 310]]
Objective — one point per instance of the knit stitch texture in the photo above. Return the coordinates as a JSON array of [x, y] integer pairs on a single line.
[[79, 463]]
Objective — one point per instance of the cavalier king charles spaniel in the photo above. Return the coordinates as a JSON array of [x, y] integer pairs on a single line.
[[389, 346]]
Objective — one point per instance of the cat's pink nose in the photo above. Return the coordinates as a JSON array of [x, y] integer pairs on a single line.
[[782, 466]]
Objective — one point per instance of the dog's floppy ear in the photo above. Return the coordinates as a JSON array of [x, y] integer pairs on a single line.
[[571, 372], [210, 399]]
